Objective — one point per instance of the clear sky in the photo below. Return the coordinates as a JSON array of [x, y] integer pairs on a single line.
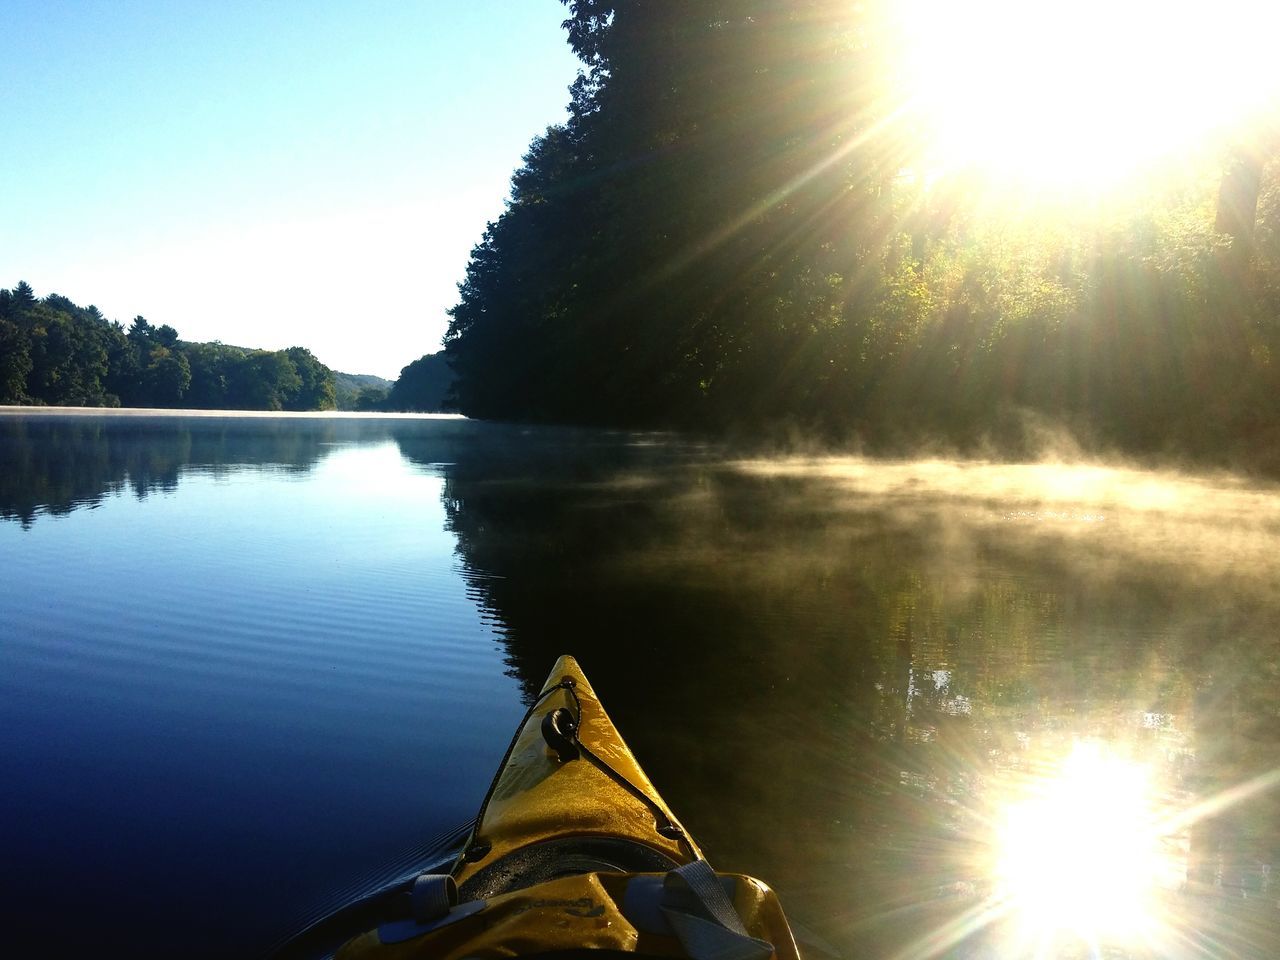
[[308, 173]]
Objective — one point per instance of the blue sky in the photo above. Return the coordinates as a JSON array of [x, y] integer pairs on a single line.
[[269, 174]]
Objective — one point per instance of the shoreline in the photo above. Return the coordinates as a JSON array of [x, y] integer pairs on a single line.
[[12, 410]]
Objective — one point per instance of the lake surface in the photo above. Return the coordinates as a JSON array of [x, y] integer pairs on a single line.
[[251, 667]]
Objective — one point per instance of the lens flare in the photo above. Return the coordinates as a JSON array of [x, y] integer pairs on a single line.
[[1081, 853]]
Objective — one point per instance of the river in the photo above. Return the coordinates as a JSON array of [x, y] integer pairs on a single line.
[[253, 666]]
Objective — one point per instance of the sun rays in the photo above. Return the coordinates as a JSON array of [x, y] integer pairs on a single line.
[[1088, 857], [1081, 853], [1082, 97]]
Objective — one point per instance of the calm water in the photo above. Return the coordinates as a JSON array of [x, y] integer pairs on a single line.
[[251, 667]]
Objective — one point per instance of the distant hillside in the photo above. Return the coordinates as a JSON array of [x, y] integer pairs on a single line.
[[348, 386]]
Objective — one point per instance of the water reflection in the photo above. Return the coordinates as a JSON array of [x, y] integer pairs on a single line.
[[847, 676], [52, 463], [842, 674], [235, 696]]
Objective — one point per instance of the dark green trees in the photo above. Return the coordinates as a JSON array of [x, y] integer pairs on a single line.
[[349, 388], [698, 242], [423, 385], [370, 400], [260, 380], [166, 377], [54, 352], [315, 390], [153, 371], [15, 348], [729, 231]]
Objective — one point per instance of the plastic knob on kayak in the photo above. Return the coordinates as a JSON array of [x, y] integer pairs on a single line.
[[561, 733], [432, 896]]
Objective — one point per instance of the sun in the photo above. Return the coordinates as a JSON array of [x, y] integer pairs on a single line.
[[1086, 94]]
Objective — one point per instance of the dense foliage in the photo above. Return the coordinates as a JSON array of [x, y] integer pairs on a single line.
[[424, 384], [359, 391], [56, 353], [728, 231]]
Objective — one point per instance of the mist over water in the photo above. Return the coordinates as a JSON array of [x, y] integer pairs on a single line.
[[1200, 528], [838, 671]]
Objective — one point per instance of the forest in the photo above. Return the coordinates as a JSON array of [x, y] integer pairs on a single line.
[[732, 230], [55, 353]]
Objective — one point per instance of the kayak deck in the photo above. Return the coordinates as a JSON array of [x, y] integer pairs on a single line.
[[590, 796], [573, 849]]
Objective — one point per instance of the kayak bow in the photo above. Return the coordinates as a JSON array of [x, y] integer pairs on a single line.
[[574, 849]]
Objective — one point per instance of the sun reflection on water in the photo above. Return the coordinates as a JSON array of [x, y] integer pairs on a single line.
[[1082, 852], [1089, 855]]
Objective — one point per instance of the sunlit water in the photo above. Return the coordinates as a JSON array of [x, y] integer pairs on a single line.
[[253, 667]]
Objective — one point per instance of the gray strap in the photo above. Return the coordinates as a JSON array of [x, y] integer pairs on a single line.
[[432, 896], [703, 917]]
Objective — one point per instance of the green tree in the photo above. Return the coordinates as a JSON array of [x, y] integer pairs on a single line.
[[23, 297], [262, 380], [728, 231], [316, 390], [210, 365], [68, 360], [55, 352], [140, 331], [700, 221], [15, 360], [370, 399], [166, 377], [423, 385], [15, 346]]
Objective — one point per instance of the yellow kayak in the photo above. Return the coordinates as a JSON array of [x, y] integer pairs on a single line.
[[574, 849]]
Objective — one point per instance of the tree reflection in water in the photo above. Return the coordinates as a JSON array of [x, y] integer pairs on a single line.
[[54, 462]]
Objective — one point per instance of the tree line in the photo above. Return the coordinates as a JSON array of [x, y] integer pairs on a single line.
[[727, 231], [53, 352]]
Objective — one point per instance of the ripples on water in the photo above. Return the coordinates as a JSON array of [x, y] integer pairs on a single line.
[[253, 666]]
